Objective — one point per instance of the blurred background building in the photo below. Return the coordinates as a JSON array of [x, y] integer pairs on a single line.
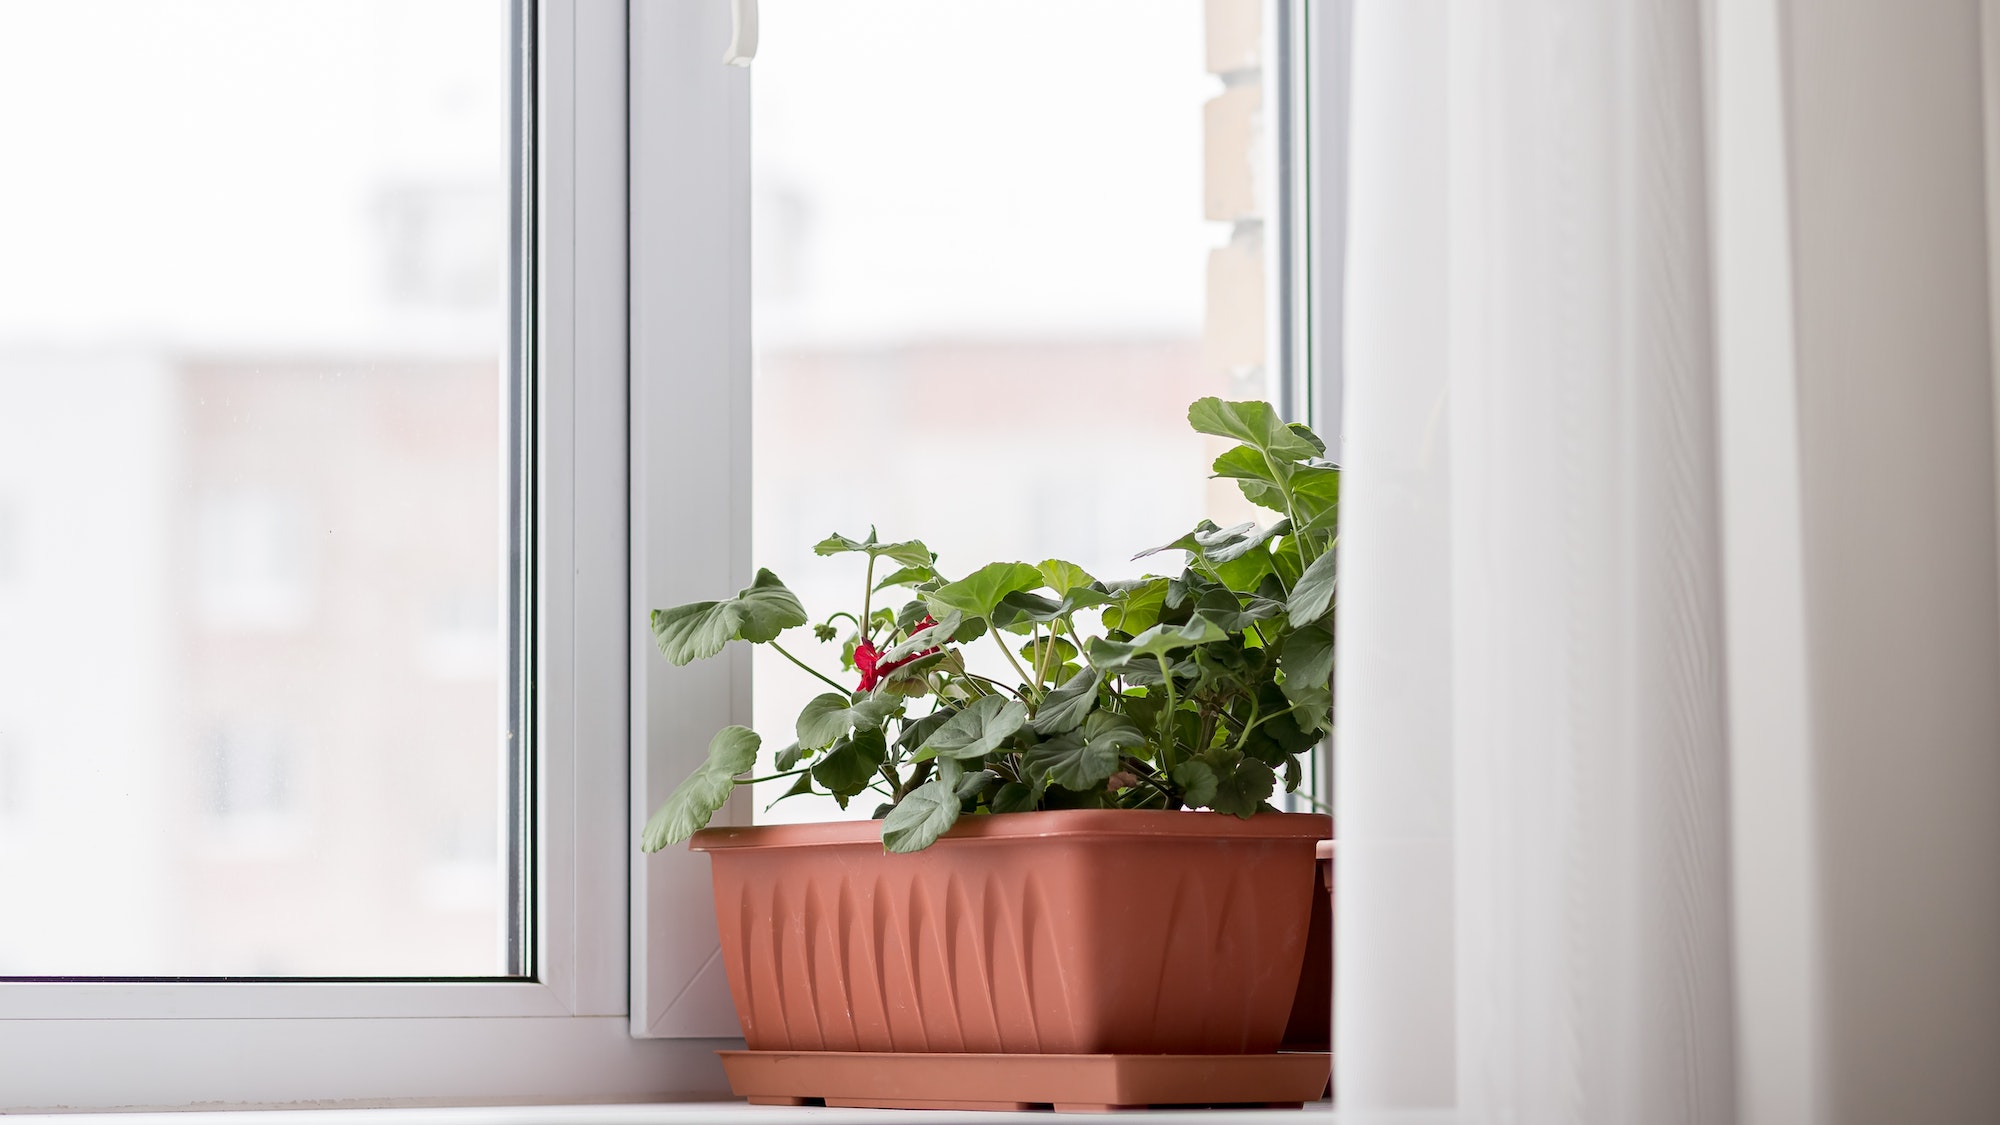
[[252, 524]]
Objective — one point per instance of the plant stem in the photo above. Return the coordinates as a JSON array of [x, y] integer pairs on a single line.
[[772, 777], [867, 598], [1140, 770], [1167, 716], [990, 680], [1260, 722], [810, 669], [1008, 652], [1291, 509], [1075, 638], [1249, 726]]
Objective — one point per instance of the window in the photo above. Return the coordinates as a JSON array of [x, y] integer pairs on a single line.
[[296, 409], [384, 447], [257, 408], [1027, 272], [868, 318]]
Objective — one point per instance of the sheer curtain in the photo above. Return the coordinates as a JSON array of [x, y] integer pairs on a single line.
[[1614, 303], [1531, 451]]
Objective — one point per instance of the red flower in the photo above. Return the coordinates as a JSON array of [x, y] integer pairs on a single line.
[[868, 659], [865, 657]]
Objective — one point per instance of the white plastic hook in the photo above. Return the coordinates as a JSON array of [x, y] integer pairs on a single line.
[[742, 33]]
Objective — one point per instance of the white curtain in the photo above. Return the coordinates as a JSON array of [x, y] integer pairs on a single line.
[[1534, 890], [1669, 683]]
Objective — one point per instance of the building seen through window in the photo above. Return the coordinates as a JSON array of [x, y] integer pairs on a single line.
[[252, 531]]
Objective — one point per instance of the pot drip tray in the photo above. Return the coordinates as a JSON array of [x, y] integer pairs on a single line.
[[1065, 1083]]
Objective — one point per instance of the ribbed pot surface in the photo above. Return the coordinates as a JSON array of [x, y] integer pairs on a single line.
[[1072, 932]]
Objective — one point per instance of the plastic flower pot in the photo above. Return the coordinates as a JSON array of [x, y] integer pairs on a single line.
[[1086, 932]]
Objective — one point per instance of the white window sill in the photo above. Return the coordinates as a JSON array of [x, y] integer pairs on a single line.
[[686, 1113]]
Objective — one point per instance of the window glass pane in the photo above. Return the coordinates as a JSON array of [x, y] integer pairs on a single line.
[[254, 489], [999, 247]]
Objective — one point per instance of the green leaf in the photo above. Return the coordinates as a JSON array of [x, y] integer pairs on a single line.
[[950, 771], [1033, 650], [1243, 790], [1255, 424], [976, 731], [1014, 797], [1315, 489], [1307, 661], [1221, 669], [1197, 781], [914, 732], [1293, 775], [913, 612], [978, 593], [1062, 577], [975, 783], [698, 630], [1135, 605], [1312, 708], [1232, 611], [1155, 642], [907, 576], [1294, 478], [937, 635], [1218, 545], [789, 757], [829, 715], [803, 785], [1022, 610], [850, 765], [1062, 709], [1312, 594], [921, 817], [1288, 561], [1246, 573], [688, 808], [1085, 758], [1252, 474], [1019, 609], [910, 552], [1281, 733]]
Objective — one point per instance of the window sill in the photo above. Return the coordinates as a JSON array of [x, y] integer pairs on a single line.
[[676, 1113]]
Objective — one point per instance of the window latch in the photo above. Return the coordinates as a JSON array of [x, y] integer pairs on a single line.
[[742, 33]]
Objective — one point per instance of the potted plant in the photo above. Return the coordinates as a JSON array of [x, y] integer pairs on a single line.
[[1076, 858]]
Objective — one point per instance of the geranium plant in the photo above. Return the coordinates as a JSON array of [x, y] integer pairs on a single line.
[[1199, 690]]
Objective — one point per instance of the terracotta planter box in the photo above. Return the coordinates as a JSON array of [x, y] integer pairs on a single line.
[[1090, 932]]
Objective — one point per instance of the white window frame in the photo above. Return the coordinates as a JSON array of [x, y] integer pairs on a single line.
[[564, 1033], [690, 495]]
